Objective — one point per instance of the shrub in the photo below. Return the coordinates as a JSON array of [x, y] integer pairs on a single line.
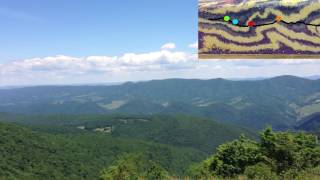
[[288, 151], [283, 154], [232, 158], [134, 167], [260, 171]]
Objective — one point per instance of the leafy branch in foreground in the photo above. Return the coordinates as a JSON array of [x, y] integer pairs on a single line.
[[277, 154]]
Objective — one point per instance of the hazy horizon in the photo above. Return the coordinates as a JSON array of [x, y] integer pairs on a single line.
[[89, 45], [314, 77]]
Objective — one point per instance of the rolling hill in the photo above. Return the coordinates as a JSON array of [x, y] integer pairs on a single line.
[[80, 146], [280, 101], [179, 131], [310, 123], [28, 154]]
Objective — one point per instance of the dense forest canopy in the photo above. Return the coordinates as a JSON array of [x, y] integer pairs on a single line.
[[281, 101], [166, 129], [37, 153], [276, 155]]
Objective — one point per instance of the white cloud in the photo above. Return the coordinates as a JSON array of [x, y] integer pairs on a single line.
[[194, 45], [162, 60], [168, 46], [164, 63]]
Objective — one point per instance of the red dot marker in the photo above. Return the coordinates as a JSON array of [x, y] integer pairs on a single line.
[[251, 24]]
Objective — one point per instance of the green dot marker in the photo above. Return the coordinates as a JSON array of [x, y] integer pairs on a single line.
[[226, 18]]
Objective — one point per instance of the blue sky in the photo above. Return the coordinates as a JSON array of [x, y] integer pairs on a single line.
[[81, 27], [95, 41]]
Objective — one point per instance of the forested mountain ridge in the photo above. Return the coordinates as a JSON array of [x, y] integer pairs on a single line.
[[180, 131], [310, 123], [45, 154], [159, 129], [279, 101], [81, 146], [28, 154]]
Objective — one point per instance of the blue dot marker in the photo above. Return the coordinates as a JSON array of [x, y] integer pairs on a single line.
[[235, 21]]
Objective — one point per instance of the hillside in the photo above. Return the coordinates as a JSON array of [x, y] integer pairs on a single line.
[[180, 131], [310, 123], [27, 154], [277, 155], [279, 101]]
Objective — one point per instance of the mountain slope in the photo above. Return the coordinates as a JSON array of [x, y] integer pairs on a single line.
[[27, 154], [180, 131], [310, 123], [279, 101]]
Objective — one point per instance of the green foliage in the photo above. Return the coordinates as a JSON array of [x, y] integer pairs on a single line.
[[290, 151], [281, 154], [272, 101], [159, 147], [175, 130], [170, 142], [232, 158], [123, 169], [308, 174], [27, 154], [136, 166], [179, 130], [260, 171], [201, 170]]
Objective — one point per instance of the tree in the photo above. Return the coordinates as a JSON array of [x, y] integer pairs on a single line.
[[123, 169], [277, 154], [260, 171], [133, 167], [232, 158], [155, 171], [290, 151]]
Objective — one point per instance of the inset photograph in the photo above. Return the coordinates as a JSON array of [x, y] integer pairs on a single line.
[[259, 29]]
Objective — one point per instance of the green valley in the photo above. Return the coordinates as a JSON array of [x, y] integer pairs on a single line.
[[162, 129]]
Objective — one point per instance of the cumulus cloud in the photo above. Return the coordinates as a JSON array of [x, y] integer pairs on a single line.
[[129, 62], [168, 46], [194, 45], [164, 63]]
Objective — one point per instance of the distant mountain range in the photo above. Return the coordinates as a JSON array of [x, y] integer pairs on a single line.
[[281, 101]]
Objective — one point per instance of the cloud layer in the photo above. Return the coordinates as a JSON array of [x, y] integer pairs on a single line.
[[165, 63], [194, 45], [168, 46]]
